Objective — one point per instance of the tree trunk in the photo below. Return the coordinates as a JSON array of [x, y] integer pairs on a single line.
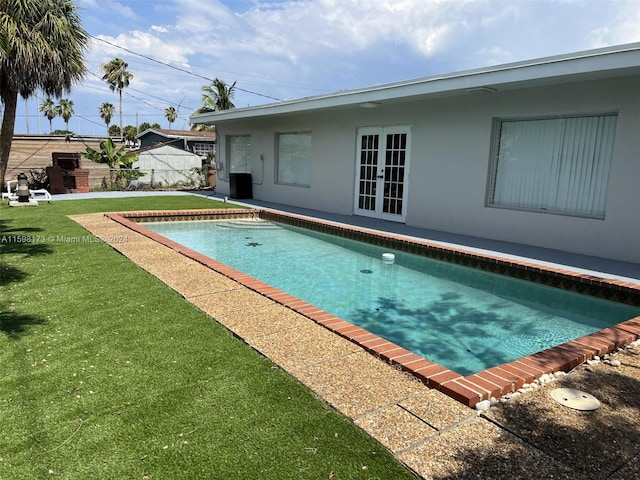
[[6, 135], [121, 130]]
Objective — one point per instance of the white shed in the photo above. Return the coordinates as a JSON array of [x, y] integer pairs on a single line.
[[168, 166]]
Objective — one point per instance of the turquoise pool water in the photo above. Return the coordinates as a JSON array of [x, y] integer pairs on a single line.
[[464, 319]]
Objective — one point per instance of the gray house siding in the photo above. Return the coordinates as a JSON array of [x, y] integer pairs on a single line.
[[450, 158], [150, 139], [452, 123]]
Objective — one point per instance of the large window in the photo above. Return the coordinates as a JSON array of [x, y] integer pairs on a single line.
[[239, 153], [294, 158], [555, 165]]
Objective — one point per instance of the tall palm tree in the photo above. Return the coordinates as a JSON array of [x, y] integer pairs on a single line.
[[118, 78], [65, 110], [48, 108], [42, 44], [170, 114], [217, 96], [106, 112]]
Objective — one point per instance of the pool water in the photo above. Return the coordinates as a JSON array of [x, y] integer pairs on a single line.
[[465, 319]]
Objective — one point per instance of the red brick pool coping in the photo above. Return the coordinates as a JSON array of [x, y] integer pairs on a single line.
[[469, 390]]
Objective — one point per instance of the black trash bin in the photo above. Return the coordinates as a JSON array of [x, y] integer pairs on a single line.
[[240, 185]]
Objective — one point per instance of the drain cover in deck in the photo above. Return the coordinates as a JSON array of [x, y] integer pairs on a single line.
[[575, 399]]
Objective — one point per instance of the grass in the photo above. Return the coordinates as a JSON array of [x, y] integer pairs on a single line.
[[107, 373]]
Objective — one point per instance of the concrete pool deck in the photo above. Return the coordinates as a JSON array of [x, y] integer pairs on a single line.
[[530, 436]]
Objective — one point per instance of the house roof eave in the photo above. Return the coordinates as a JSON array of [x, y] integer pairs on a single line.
[[587, 65], [179, 135]]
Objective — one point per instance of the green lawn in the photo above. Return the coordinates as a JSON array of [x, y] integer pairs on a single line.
[[109, 374]]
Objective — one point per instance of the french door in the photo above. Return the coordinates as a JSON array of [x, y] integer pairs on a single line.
[[382, 172]]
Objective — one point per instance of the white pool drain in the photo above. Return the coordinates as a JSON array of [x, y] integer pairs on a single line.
[[572, 398]]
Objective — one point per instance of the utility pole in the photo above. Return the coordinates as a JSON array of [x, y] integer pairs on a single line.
[[37, 109]]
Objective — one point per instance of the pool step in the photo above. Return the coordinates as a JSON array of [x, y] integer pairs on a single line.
[[247, 224]]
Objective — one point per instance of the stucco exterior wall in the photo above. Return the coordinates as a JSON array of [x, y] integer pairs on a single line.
[[449, 163]]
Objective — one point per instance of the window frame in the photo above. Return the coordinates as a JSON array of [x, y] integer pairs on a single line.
[[278, 154], [203, 148], [496, 138]]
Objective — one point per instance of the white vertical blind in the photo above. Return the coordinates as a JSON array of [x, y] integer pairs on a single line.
[[557, 164]]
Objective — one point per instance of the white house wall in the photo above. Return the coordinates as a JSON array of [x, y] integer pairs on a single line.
[[449, 163]]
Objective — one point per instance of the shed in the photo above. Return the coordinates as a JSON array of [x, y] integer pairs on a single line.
[[168, 166]]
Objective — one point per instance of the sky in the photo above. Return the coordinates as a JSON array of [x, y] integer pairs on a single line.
[[282, 50]]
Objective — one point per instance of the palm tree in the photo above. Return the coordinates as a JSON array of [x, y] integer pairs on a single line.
[[48, 108], [114, 131], [129, 133], [106, 112], [42, 43], [171, 115], [217, 96], [65, 110], [117, 76], [201, 127], [146, 126]]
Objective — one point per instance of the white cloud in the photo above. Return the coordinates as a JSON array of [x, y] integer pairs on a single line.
[[336, 44], [623, 26], [108, 7], [294, 48], [159, 29]]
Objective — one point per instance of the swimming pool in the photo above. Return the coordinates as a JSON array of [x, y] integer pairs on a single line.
[[466, 319], [493, 382]]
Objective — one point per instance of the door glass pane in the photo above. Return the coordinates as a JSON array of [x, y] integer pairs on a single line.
[[395, 157], [368, 172]]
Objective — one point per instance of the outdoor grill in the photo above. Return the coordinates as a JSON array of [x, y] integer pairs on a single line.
[[66, 174]]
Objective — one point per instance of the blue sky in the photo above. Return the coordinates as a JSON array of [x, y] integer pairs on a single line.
[[297, 48]]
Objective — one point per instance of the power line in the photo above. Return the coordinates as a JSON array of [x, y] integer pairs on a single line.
[[180, 69], [125, 92]]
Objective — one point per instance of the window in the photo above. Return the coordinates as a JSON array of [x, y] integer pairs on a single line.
[[203, 149], [239, 153], [556, 165], [294, 158]]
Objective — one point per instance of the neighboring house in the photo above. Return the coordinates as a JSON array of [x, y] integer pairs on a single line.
[[167, 166], [200, 143], [544, 152]]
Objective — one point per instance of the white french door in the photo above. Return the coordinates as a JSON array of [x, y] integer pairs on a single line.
[[382, 172]]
